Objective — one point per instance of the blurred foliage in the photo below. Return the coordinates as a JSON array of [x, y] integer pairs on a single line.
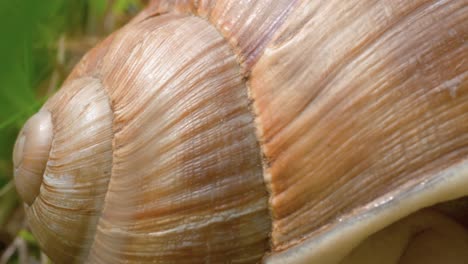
[[40, 43]]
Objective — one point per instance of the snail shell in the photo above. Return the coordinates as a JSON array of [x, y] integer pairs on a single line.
[[247, 131]]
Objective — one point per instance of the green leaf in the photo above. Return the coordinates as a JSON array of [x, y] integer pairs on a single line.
[[27, 236], [29, 28], [98, 7], [122, 6]]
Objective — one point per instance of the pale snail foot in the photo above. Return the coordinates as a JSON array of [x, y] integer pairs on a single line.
[[427, 237], [31, 153]]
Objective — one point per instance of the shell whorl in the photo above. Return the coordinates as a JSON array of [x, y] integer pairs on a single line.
[[185, 179], [65, 214], [200, 187], [31, 153]]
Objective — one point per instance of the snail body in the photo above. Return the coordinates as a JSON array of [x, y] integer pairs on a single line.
[[247, 131]]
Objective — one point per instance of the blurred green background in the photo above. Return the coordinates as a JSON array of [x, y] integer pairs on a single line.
[[40, 43]]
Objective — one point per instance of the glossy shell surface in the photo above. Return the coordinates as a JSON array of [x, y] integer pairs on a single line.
[[246, 131]]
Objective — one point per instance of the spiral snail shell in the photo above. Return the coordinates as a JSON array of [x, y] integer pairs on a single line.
[[258, 131]]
